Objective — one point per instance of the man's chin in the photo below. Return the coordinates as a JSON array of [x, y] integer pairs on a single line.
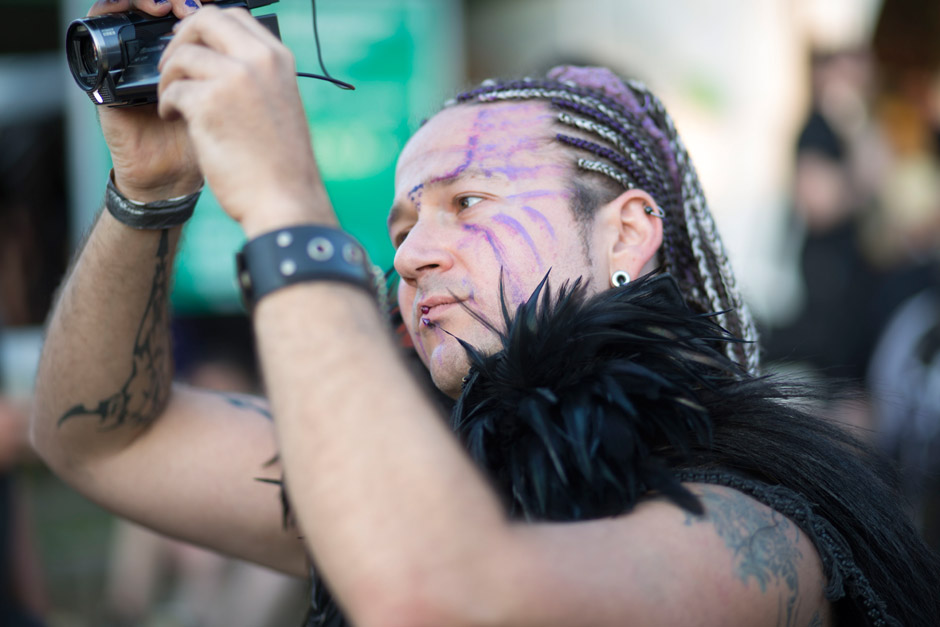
[[448, 362], [448, 366]]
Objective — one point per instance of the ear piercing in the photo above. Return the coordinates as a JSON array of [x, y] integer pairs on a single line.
[[619, 278], [655, 212]]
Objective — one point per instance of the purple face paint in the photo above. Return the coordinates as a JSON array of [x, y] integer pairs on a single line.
[[472, 142], [491, 239], [540, 218], [520, 173], [517, 294], [415, 196], [517, 228]]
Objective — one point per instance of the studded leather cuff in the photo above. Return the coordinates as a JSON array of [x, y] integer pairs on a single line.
[[298, 254]]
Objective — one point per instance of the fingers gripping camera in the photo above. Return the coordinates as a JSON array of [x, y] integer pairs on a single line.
[[114, 57]]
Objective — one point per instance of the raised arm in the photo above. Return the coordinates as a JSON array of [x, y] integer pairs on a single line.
[[107, 417]]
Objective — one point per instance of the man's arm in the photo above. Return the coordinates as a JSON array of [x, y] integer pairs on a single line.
[[109, 421], [408, 533], [107, 417]]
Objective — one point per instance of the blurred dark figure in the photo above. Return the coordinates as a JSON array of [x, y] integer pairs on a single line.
[[837, 276], [33, 224], [32, 259], [22, 592], [867, 200]]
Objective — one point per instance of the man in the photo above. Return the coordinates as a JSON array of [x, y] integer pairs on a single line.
[[402, 525]]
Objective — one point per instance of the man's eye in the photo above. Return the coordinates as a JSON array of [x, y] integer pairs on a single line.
[[465, 202]]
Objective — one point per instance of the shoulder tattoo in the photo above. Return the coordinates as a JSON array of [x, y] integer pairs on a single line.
[[147, 387], [764, 545]]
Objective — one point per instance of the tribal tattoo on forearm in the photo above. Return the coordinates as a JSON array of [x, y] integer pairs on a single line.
[[146, 390], [763, 543]]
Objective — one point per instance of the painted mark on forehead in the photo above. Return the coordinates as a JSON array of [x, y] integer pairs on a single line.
[[517, 228], [468, 152], [503, 150], [517, 114], [415, 196], [526, 173]]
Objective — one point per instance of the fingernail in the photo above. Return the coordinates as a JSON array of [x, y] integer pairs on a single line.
[[160, 1], [193, 4]]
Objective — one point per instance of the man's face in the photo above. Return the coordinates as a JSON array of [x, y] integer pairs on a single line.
[[480, 194]]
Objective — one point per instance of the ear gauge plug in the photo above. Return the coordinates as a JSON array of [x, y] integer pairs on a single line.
[[619, 278]]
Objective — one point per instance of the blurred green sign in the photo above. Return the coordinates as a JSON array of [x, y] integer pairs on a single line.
[[403, 56]]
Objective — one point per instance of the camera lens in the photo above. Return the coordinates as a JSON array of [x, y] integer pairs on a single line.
[[84, 60], [87, 54]]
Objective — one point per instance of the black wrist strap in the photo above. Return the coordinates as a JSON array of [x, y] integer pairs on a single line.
[[160, 214], [298, 254]]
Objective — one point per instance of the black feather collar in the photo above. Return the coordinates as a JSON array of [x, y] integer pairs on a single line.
[[592, 398]]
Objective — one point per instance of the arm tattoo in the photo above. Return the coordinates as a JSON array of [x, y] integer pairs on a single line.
[[763, 544], [816, 620], [258, 406], [147, 387], [248, 402]]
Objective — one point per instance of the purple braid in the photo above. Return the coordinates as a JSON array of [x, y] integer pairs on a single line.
[[641, 149]]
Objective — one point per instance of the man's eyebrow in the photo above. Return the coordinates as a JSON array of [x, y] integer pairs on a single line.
[[455, 176]]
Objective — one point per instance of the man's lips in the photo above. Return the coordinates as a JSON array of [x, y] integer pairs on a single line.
[[430, 309]]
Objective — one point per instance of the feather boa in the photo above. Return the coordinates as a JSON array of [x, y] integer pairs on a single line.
[[569, 417]]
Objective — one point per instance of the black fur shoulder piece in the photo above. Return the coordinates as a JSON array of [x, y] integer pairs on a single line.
[[569, 417]]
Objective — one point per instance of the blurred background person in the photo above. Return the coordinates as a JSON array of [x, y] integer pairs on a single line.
[[904, 237]]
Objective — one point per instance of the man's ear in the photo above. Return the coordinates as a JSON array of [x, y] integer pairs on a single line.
[[630, 232]]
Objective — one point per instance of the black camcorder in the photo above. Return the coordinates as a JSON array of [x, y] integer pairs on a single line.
[[114, 57]]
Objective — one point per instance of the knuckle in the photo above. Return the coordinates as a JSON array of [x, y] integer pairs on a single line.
[[266, 57]]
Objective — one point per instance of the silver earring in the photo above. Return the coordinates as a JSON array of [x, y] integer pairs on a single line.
[[619, 278], [656, 213]]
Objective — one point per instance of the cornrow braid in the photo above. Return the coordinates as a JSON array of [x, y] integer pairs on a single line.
[[640, 148]]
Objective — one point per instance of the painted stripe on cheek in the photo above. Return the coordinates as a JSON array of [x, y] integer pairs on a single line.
[[513, 224], [491, 239], [538, 217]]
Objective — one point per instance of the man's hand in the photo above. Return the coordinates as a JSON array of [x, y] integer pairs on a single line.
[[234, 84], [153, 159]]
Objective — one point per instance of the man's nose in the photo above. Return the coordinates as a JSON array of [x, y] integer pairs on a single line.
[[424, 250]]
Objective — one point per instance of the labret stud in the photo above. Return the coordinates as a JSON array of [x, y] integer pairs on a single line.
[[426, 321], [425, 309]]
